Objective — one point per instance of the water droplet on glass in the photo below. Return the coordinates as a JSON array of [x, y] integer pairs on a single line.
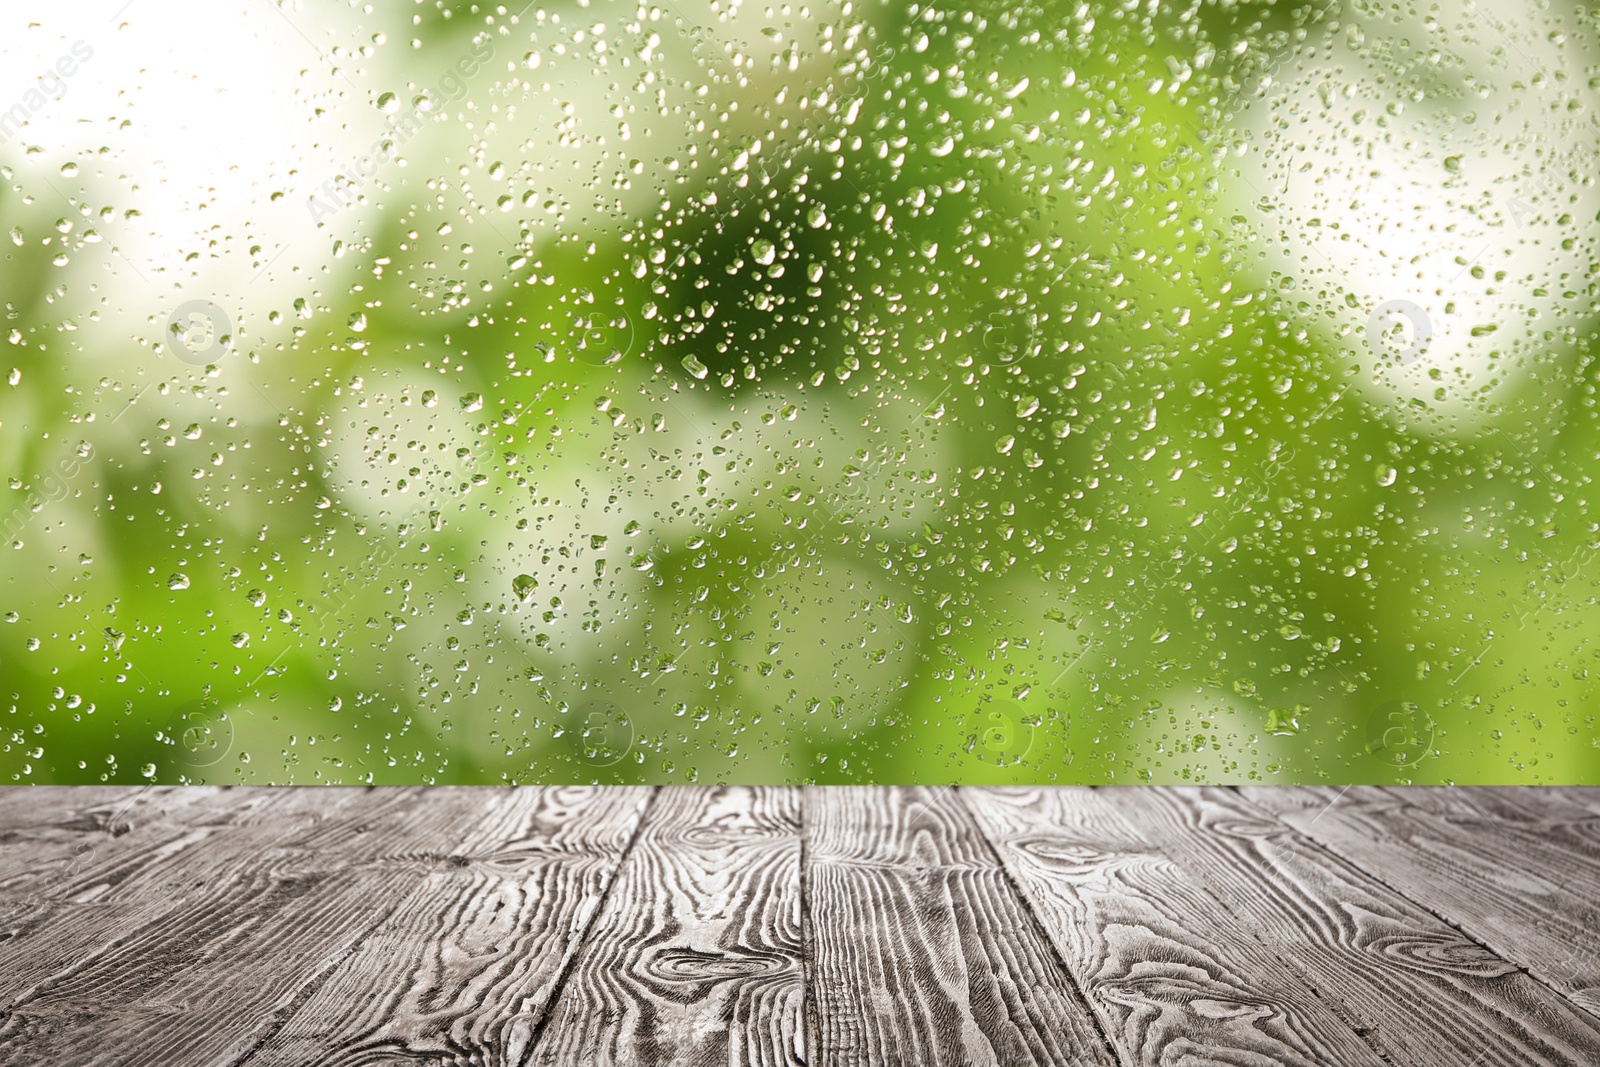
[[1282, 722]]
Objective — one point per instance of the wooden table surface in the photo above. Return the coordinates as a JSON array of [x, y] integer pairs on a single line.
[[590, 926]]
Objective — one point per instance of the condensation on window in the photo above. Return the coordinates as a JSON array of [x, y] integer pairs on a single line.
[[705, 392]]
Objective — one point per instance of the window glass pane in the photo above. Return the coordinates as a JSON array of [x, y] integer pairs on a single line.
[[770, 392]]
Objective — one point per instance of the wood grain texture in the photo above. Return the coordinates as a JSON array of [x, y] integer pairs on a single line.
[[236, 939], [897, 827], [863, 927], [696, 956], [1162, 961], [1521, 885], [1558, 820], [65, 828], [23, 807], [114, 867], [1532, 807], [1416, 989], [921, 953], [464, 969]]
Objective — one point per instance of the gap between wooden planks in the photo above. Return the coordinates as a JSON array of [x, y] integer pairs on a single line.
[[777, 925]]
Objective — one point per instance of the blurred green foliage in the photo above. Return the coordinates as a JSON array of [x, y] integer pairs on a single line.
[[934, 419]]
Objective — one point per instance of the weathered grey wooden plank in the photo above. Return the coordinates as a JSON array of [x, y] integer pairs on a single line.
[[900, 827], [464, 970], [256, 926], [64, 844], [1415, 988], [1579, 798], [1163, 962], [120, 865], [60, 826], [920, 952], [1534, 902], [1554, 818], [1533, 807], [260, 927], [696, 957], [28, 806]]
